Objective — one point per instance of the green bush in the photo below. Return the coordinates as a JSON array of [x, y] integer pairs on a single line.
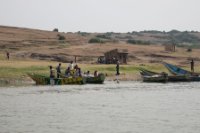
[[132, 41], [55, 30], [189, 50], [83, 33], [96, 40], [103, 36], [61, 37]]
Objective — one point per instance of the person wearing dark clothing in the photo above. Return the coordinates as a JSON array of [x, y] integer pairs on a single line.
[[117, 68], [67, 72], [95, 73], [117, 72], [78, 72], [8, 55], [58, 70], [192, 65]]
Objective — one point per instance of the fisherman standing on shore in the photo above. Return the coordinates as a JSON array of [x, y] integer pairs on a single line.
[[8, 55], [58, 69], [117, 71], [192, 65]]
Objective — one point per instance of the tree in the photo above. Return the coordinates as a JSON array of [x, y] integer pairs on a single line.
[[55, 30]]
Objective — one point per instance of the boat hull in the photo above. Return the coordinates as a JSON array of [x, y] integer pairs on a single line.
[[44, 80], [194, 78], [157, 78], [179, 78], [149, 76], [181, 74], [96, 80]]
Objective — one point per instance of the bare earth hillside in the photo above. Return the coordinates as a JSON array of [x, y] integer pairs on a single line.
[[45, 45]]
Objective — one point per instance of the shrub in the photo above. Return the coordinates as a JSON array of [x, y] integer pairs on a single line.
[[132, 41], [61, 37], [189, 50], [96, 40], [104, 36], [83, 33], [55, 30]]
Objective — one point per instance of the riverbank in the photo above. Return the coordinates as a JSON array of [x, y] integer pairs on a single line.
[[33, 51], [14, 71]]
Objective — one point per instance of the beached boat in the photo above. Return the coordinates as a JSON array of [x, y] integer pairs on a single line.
[[179, 72], [150, 76], [175, 70], [146, 72], [96, 80], [45, 80], [178, 78], [155, 78]]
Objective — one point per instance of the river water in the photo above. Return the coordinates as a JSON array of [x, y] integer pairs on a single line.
[[127, 107]]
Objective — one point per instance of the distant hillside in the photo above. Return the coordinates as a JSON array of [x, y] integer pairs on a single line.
[[178, 38], [9, 36], [60, 46], [12, 37]]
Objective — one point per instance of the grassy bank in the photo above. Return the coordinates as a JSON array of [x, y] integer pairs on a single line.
[[17, 69]]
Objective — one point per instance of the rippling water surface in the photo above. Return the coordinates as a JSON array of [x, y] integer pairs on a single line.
[[127, 107]]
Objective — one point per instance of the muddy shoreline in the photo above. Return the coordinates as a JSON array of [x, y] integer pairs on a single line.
[[26, 82], [15, 82]]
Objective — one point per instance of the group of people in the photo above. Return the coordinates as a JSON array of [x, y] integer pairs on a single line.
[[88, 74], [71, 70]]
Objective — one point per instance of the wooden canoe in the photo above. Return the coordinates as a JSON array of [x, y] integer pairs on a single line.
[[182, 74], [44, 80], [150, 76], [175, 70], [155, 78]]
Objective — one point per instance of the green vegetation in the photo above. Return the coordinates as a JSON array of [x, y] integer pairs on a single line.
[[183, 38], [104, 36], [174, 32], [55, 30], [83, 33], [96, 40], [152, 31], [18, 69], [60, 37], [132, 41], [189, 50], [110, 70], [17, 73], [188, 39]]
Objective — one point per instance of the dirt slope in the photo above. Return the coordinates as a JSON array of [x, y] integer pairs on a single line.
[[45, 45]]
